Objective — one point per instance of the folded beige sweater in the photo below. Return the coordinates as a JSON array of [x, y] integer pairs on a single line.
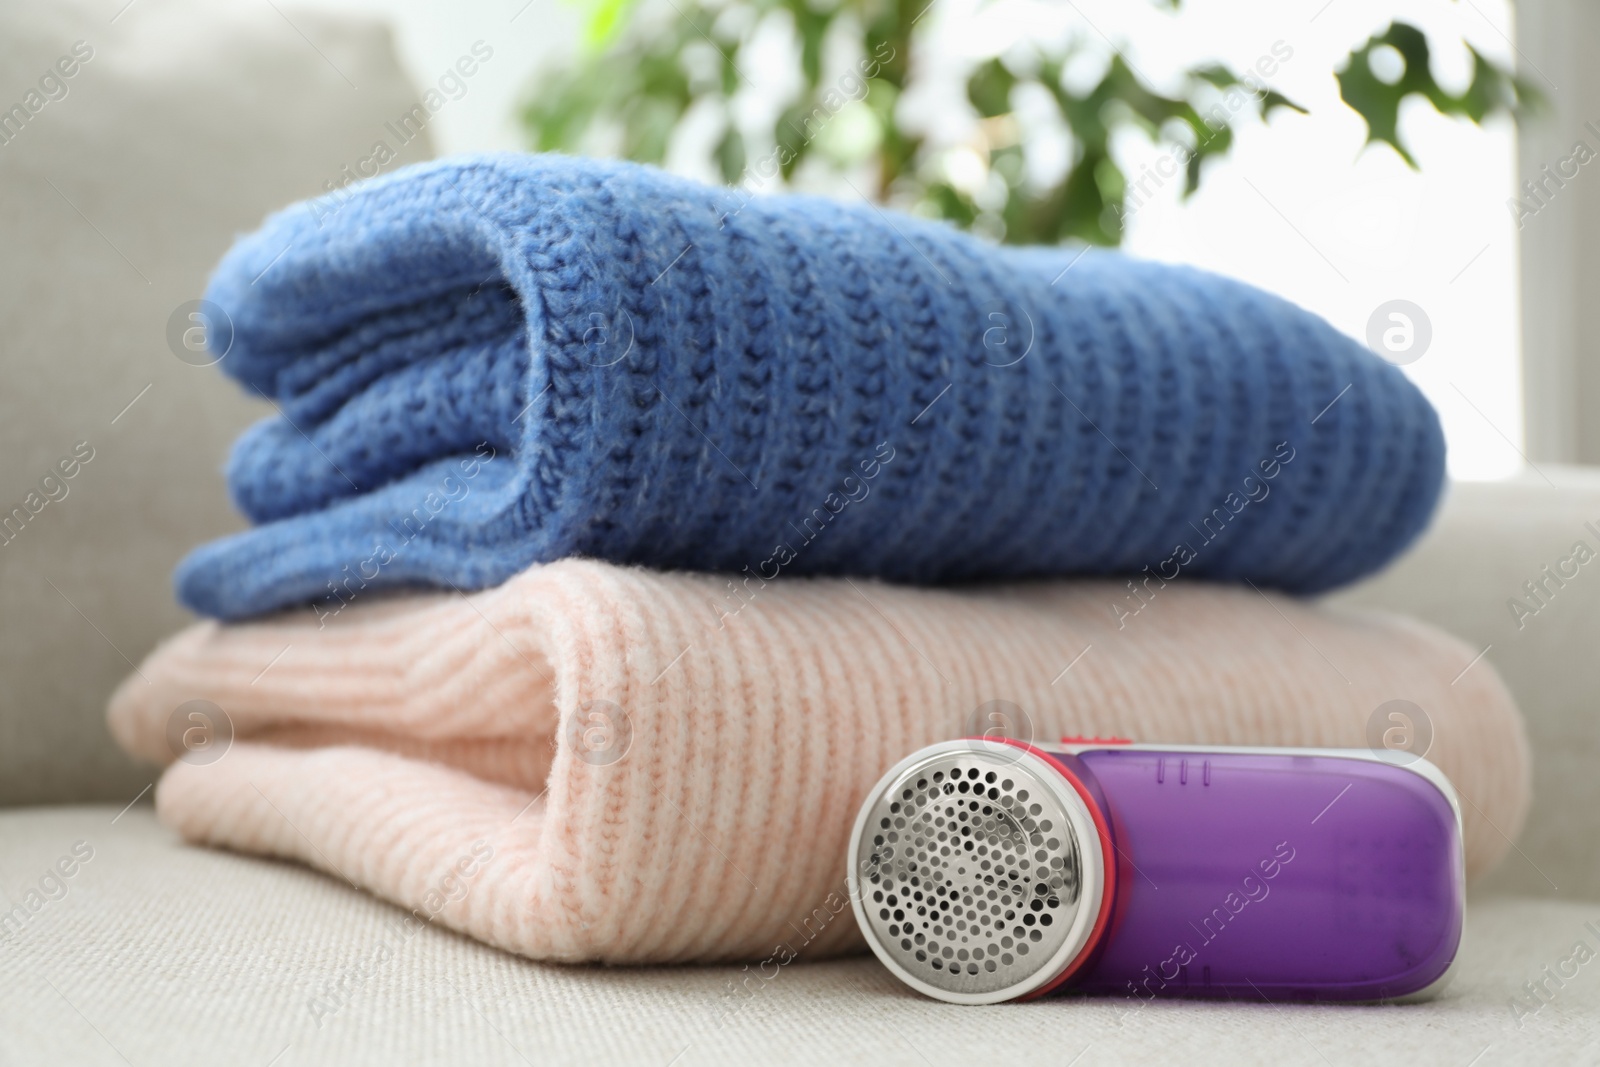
[[593, 762]]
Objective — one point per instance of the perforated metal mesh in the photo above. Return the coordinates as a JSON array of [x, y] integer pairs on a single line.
[[970, 872]]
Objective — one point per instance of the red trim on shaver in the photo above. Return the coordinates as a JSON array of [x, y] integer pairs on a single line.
[[1108, 866]]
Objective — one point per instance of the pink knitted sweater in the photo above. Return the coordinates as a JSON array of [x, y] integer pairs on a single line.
[[593, 762]]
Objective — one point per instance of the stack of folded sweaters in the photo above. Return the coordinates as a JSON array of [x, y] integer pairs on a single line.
[[615, 533]]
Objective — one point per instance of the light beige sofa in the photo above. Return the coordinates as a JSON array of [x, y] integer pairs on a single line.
[[186, 125]]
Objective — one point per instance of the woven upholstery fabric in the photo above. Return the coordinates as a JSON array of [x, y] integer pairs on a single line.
[[187, 957], [630, 775], [638, 368], [190, 122]]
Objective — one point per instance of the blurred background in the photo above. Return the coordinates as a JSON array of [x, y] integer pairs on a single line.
[[1378, 163]]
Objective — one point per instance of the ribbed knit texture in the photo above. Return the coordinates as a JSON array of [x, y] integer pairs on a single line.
[[643, 369], [386, 745]]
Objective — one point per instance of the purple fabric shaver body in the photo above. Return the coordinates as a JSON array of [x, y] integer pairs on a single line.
[[986, 870]]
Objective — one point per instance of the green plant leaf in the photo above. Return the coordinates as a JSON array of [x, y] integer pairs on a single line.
[[989, 89], [731, 156], [606, 17], [1491, 91]]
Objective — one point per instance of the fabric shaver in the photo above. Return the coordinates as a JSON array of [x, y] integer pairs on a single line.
[[985, 870]]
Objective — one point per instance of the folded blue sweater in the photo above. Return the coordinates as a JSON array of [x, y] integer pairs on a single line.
[[492, 361]]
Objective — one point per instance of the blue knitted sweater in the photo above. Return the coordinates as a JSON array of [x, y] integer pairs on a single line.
[[492, 361]]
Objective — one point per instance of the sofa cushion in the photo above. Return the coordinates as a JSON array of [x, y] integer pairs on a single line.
[[160, 953], [1490, 570], [144, 142]]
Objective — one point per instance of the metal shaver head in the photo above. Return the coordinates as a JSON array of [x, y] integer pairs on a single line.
[[977, 872]]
